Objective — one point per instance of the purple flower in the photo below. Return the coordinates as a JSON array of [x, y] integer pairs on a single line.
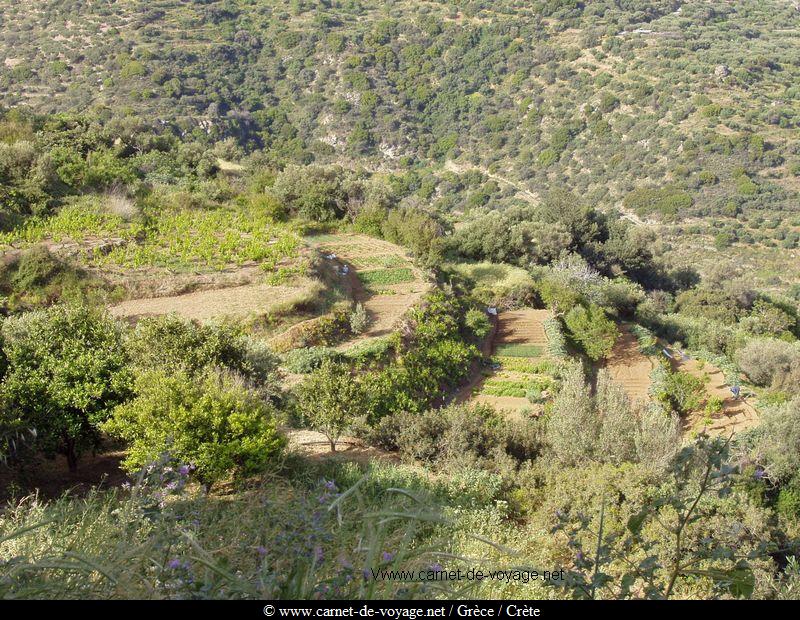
[[436, 567], [387, 557], [318, 555], [174, 564], [183, 470], [759, 474], [262, 551]]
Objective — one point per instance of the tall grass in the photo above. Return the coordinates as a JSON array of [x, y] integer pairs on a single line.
[[156, 540]]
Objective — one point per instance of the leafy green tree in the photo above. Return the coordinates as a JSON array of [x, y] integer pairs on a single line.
[[212, 421], [592, 330], [173, 344], [67, 370], [330, 399]]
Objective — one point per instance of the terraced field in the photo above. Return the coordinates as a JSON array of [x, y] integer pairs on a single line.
[[520, 364], [383, 279], [735, 415], [629, 367], [236, 302]]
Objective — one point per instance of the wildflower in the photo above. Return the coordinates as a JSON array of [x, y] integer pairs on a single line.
[[436, 567], [183, 470], [318, 554], [387, 557], [174, 564], [759, 473], [262, 551]]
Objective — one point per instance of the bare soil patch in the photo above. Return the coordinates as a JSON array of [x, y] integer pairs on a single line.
[[314, 445], [629, 367], [51, 478], [736, 414], [232, 302], [523, 327]]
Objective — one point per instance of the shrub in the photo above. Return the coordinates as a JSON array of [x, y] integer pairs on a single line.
[[174, 344], [777, 441], [66, 372], [556, 342], [309, 359], [359, 319], [331, 399], [35, 268], [788, 504], [592, 330], [768, 361], [668, 202], [680, 391], [212, 421], [608, 428], [478, 323], [467, 436]]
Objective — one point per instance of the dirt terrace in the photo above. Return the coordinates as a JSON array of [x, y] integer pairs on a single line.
[[629, 367]]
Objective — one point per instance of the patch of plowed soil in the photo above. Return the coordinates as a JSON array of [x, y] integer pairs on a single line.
[[232, 302], [629, 367], [522, 327], [736, 415]]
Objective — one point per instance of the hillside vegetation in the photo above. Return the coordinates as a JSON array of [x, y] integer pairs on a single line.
[[295, 293]]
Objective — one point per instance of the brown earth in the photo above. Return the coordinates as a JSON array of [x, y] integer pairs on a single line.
[[51, 478], [629, 367], [523, 327], [314, 445], [232, 302], [736, 415], [387, 305]]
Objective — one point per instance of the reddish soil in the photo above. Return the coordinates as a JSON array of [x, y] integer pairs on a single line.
[[629, 367], [736, 415]]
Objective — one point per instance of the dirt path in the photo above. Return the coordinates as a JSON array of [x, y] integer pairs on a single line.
[[629, 367], [522, 191], [386, 304], [232, 302], [736, 415]]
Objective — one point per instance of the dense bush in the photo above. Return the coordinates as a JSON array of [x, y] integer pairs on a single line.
[[607, 427], [67, 370], [592, 330], [212, 422], [308, 359], [467, 436], [679, 391], [771, 362]]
